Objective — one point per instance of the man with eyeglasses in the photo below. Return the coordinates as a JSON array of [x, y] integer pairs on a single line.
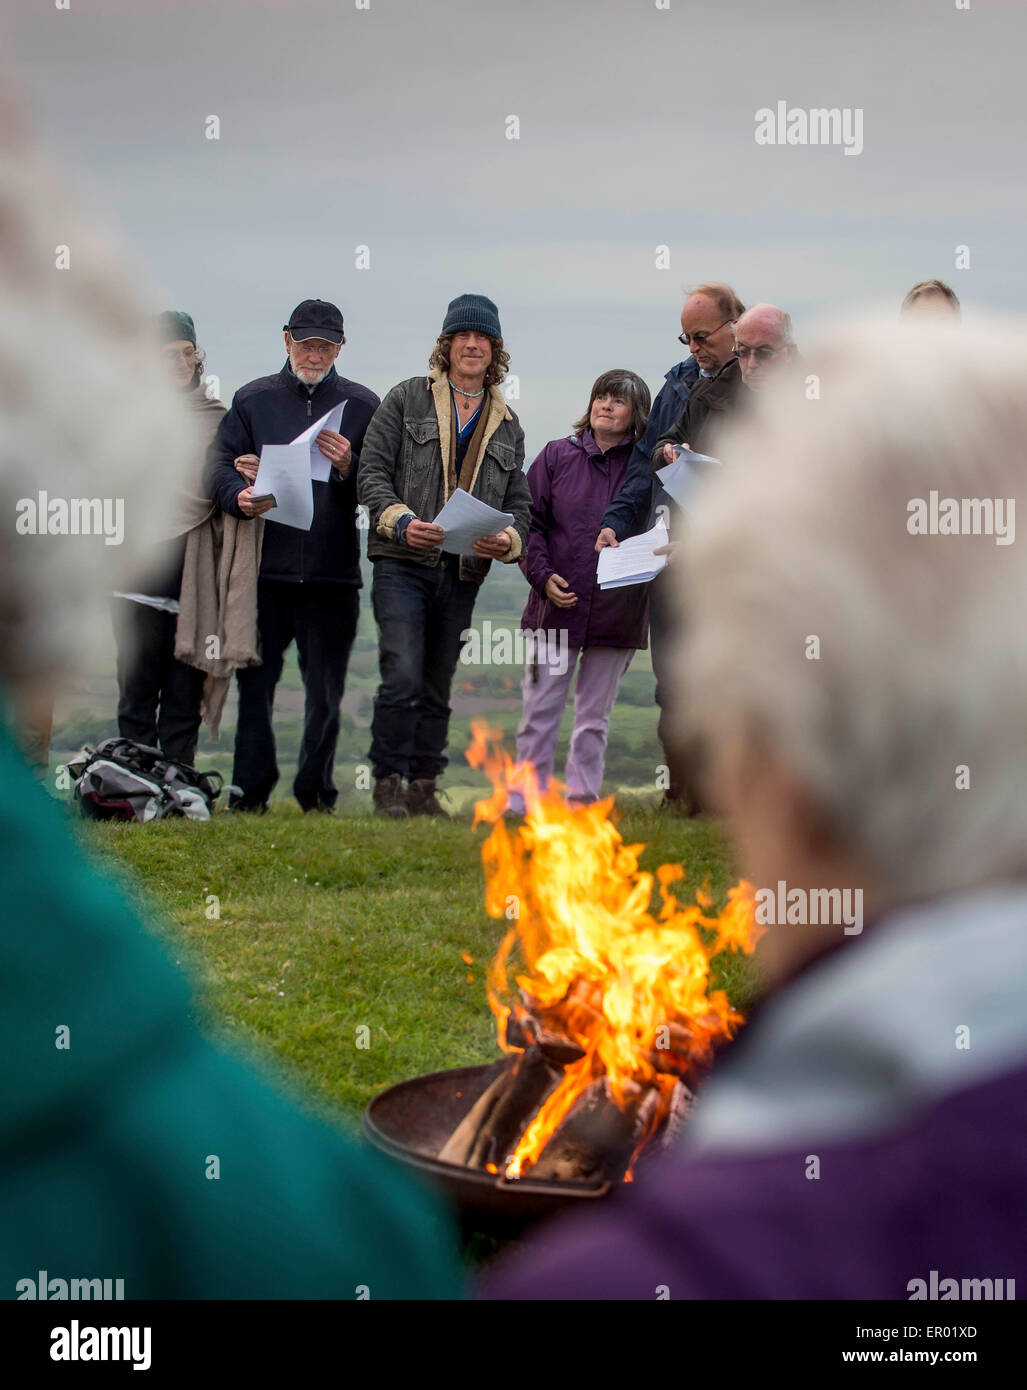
[[707, 320], [308, 588], [764, 345]]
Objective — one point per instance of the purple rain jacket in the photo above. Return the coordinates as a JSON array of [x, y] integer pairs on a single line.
[[898, 1062], [572, 483]]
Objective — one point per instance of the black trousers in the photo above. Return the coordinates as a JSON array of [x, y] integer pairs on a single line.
[[683, 758], [158, 697], [322, 619]]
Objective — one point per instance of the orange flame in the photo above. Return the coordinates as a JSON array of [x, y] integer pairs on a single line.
[[628, 988]]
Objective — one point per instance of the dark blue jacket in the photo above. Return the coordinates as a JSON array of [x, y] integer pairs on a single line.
[[628, 513], [274, 410]]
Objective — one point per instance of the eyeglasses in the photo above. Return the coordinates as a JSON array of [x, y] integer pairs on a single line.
[[701, 339], [173, 354], [328, 350], [761, 354]]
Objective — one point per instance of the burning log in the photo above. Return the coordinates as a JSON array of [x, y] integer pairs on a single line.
[[681, 1051], [489, 1132], [457, 1148], [682, 1102], [597, 1139], [529, 1028]]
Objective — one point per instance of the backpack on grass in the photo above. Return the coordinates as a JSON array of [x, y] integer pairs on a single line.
[[124, 780]]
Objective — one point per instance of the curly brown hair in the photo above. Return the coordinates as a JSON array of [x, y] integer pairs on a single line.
[[494, 372]]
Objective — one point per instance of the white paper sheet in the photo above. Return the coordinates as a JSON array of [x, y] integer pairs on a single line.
[[321, 467], [287, 470], [633, 561], [679, 479], [465, 519], [284, 472]]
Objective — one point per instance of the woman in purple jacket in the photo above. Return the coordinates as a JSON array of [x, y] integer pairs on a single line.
[[575, 624]]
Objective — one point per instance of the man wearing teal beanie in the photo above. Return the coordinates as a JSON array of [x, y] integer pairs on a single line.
[[431, 436]]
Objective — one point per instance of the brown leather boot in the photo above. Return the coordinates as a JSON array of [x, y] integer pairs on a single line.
[[389, 797], [421, 799]]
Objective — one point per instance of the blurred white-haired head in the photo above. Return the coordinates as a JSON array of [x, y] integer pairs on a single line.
[[86, 414], [881, 672]]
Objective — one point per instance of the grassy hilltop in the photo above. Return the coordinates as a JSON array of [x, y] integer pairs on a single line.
[[325, 925]]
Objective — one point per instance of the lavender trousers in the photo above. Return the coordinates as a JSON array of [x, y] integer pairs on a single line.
[[544, 691]]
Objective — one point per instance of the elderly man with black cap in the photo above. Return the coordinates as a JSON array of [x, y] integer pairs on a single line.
[[308, 589], [433, 434]]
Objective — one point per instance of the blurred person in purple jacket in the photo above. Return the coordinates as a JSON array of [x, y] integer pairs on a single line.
[[856, 659], [576, 625]]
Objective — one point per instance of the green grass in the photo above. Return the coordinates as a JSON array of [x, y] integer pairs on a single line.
[[332, 924]]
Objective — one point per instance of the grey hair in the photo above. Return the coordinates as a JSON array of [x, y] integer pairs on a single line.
[[102, 423], [782, 319], [922, 664]]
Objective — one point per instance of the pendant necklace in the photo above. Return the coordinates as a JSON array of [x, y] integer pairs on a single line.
[[469, 396]]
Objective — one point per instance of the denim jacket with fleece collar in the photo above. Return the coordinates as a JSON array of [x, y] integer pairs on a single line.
[[403, 472]]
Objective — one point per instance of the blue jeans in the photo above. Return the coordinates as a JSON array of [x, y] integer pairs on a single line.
[[421, 612]]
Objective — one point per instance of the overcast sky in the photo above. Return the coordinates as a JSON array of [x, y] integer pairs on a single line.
[[386, 127]]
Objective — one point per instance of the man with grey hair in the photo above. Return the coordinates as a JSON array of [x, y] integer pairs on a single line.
[[860, 682], [308, 590], [764, 344]]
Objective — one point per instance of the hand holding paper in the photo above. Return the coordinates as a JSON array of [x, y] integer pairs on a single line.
[[287, 471], [466, 519], [633, 561], [284, 473], [320, 465], [680, 478]]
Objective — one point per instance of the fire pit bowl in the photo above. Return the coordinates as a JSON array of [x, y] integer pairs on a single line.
[[412, 1121]]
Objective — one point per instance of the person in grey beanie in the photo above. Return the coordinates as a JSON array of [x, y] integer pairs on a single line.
[[430, 436]]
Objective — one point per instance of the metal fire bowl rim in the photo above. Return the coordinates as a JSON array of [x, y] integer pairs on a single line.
[[475, 1177]]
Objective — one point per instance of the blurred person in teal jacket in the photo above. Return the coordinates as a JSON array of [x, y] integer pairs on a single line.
[[132, 1148]]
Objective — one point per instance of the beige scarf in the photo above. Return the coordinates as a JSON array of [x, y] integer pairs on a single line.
[[217, 616], [217, 609], [467, 468]]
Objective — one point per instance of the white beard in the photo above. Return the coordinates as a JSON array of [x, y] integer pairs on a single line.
[[304, 374]]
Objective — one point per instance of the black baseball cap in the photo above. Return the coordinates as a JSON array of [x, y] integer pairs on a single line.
[[315, 318]]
